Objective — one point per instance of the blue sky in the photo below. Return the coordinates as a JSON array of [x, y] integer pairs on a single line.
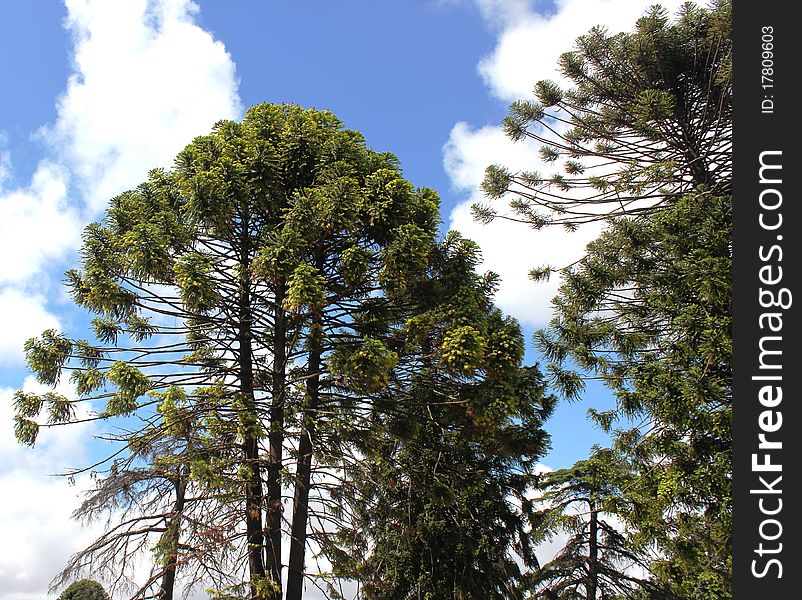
[[95, 93]]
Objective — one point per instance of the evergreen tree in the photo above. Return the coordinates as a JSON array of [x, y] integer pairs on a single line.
[[665, 350], [647, 120], [233, 293], [439, 508], [152, 492], [643, 138], [84, 589], [596, 560]]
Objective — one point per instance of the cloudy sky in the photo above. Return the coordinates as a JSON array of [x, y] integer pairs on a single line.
[[97, 92]]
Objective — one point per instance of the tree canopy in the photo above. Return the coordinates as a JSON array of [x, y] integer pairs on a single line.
[[84, 589], [642, 141], [646, 119]]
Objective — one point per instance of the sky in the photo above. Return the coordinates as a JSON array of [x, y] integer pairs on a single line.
[[97, 92]]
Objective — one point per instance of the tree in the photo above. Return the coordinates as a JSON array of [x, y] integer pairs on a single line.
[[85, 589], [644, 139], [439, 507], [665, 351], [233, 294], [648, 120], [596, 561], [151, 492]]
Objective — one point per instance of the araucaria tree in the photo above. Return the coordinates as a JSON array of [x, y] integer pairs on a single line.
[[440, 507], [596, 561], [251, 306], [641, 140]]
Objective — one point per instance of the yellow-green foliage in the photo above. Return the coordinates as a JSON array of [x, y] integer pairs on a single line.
[[462, 350], [192, 275], [46, 356], [131, 383], [364, 367], [354, 262], [306, 289], [406, 258], [175, 418]]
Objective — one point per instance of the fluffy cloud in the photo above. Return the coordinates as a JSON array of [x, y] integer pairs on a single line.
[[37, 224], [22, 315], [38, 534], [147, 80], [530, 42], [510, 249], [527, 48]]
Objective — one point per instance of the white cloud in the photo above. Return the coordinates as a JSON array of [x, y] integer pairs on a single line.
[[147, 80], [5, 160], [22, 316], [37, 224], [503, 13], [510, 249], [35, 508]]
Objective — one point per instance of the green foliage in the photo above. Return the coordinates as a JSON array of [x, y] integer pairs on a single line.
[[25, 430], [354, 264], [192, 276], [87, 381], [596, 559], [365, 366], [84, 589], [670, 365], [305, 289], [277, 258], [438, 516], [648, 114], [176, 418], [462, 350], [504, 348], [29, 406], [437, 509], [640, 139], [405, 259], [47, 355], [131, 383], [252, 299]]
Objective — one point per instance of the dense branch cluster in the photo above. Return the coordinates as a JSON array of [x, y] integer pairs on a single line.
[[647, 119]]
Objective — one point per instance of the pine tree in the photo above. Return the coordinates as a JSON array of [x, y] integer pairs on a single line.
[[642, 140], [665, 351], [648, 119], [596, 561], [439, 506]]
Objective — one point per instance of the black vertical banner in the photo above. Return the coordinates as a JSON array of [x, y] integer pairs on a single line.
[[767, 301]]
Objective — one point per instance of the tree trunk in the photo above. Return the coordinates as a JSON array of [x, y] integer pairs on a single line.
[[593, 553], [170, 539], [276, 440], [250, 443], [300, 516]]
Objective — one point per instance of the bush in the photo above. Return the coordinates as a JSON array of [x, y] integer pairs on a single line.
[[85, 589]]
